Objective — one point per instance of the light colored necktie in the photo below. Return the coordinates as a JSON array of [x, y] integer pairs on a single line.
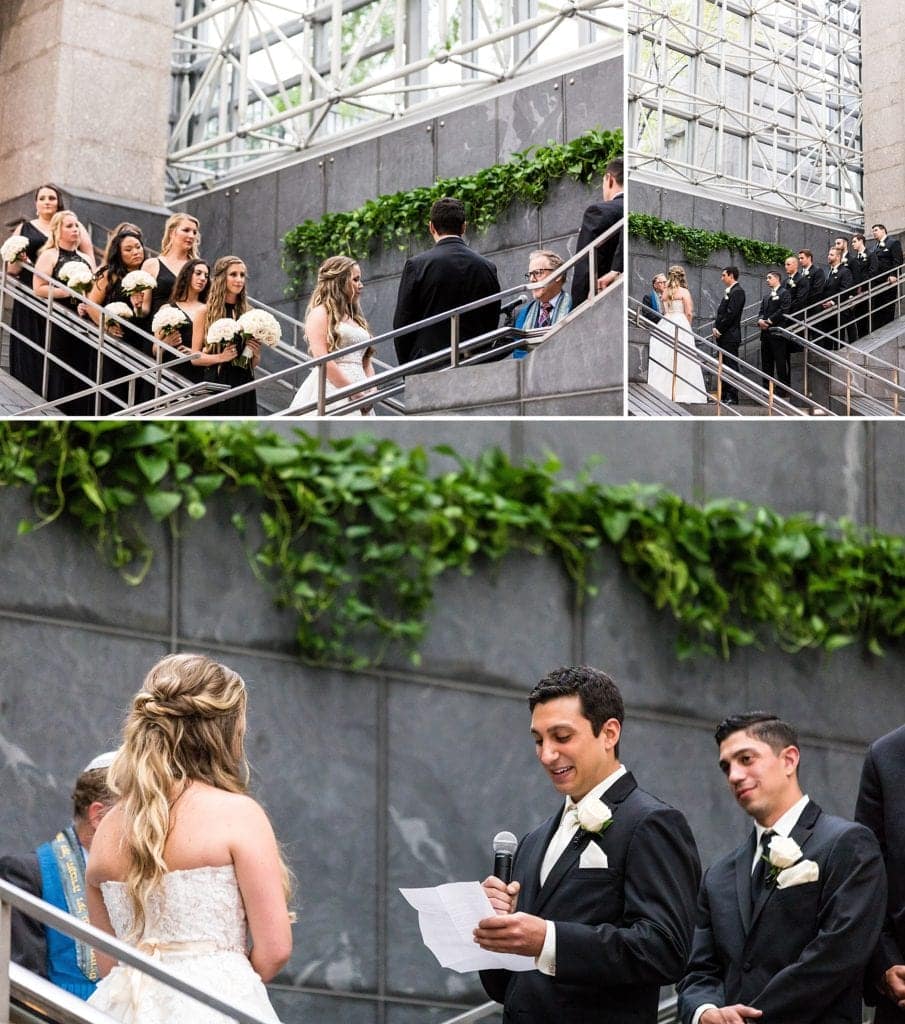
[[568, 826]]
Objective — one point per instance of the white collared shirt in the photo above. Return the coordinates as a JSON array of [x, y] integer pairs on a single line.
[[782, 826], [546, 959]]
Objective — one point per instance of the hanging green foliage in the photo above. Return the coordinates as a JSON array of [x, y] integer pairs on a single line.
[[393, 219], [351, 535], [697, 244]]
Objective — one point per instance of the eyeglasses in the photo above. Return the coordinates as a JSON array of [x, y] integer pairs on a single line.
[[536, 275]]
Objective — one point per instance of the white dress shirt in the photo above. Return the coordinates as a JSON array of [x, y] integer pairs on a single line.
[[783, 827], [568, 826]]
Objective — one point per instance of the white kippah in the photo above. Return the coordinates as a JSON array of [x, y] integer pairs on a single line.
[[101, 761]]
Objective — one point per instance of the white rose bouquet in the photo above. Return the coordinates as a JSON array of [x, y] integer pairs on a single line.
[[14, 248], [138, 281], [167, 320], [123, 311], [222, 332], [77, 275], [259, 325]]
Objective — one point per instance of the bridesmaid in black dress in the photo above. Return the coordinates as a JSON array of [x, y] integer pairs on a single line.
[[190, 296], [25, 363], [227, 299], [61, 248], [125, 253], [181, 241]]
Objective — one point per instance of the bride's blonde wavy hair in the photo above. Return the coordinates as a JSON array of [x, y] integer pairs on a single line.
[[332, 292], [675, 279], [186, 724]]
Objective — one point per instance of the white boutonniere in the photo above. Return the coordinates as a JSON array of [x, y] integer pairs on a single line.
[[786, 868], [791, 282], [728, 290], [594, 816]]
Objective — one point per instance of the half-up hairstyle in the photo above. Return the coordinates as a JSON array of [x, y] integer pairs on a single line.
[[332, 292], [185, 724]]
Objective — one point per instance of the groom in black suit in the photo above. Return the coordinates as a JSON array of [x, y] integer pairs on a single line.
[[881, 806], [596, 219], [605, 891], [727, 327], [787, 921]]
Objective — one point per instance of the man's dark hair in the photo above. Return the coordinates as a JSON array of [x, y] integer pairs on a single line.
[[448, 216], [882, 227], [806, 252], [599, 695], [774, 273], [858, 234], [91, 787], [732, 272], [616, 167], [763, 726]]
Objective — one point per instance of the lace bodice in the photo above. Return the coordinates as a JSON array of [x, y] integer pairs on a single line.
[[675, 306], [198, 905], [351, 333]]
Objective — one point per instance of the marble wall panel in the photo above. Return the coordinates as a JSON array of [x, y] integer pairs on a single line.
[[533, 116], [466, 141], [254, 221], [352, 176], [889, 448], [406, 160], [593, 98]]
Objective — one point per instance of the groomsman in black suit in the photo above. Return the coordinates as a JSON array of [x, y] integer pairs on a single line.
[[596, 219], [798, 286], [859, 265], [815, 275], [727, 326], [653, 300], [786, 922], [838, 289], [442, 278], [774, 347], [885, 258], [605, 891], [881, 806]]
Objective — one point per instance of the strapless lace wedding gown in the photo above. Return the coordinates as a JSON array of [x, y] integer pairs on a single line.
[[689, 376], [195, 925], [350, 365]]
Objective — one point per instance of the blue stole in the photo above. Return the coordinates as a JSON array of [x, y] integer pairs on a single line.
[[63, 884]]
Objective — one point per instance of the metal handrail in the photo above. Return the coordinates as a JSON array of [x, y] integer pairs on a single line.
[[764, 396], [46, 913]]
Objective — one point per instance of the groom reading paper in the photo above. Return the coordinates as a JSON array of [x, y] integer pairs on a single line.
[[605, 887]]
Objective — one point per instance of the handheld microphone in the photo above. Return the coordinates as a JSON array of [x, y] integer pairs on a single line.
[[504, 847], [508, 310]]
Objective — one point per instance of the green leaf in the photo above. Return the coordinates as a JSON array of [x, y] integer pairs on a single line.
[[162, 503], [154, 467]]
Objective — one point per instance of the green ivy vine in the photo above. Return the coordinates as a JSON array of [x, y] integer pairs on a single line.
[[351, 535], [393, 219], [697, 244]]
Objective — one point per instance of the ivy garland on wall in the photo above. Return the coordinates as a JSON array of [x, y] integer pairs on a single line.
[[698, 244], [393, 219], [352, 535]]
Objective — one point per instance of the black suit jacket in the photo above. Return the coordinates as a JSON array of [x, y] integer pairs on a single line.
[[650, 312], [799, 288], [442, 278], [29, 944], [621, 931], [774, 310], [837, 284], [881, 806], [597, 218], [817, 281], [859, 264], [799, 955], [885, 258], [728, 320]]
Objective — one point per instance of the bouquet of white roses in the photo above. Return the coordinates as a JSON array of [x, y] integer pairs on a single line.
[[261, 326], [77, 275], [14, 248], [168, 320], [120, 309], [138, 281], [224, 331]]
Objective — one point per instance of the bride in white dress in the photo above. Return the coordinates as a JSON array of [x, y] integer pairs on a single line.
[[334, 321], [185, 866], [677, 313]]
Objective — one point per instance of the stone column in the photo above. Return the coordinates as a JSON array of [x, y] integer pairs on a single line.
[[883, 83], [84, 96]]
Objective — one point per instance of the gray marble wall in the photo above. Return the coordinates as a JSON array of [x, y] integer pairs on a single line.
[[251, 218], [400, 776]]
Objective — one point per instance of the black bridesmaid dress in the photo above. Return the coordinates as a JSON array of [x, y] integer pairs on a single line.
[[160, 295], [73, 350], [112, 369], [226, 373], [26, 364]]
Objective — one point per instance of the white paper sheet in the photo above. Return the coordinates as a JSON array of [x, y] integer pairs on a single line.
[[447, 916]]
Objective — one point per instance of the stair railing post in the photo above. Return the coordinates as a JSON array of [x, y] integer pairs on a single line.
[[3, 293], [675, 361], [719, 382], [5, 954], [48, 328], [454, 331], [322, 389], [99, 372]]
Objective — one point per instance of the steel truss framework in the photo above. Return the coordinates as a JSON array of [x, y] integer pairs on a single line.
[[254, 80], [761, 98]]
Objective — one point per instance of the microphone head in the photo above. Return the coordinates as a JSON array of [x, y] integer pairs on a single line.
[[505, 842]]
